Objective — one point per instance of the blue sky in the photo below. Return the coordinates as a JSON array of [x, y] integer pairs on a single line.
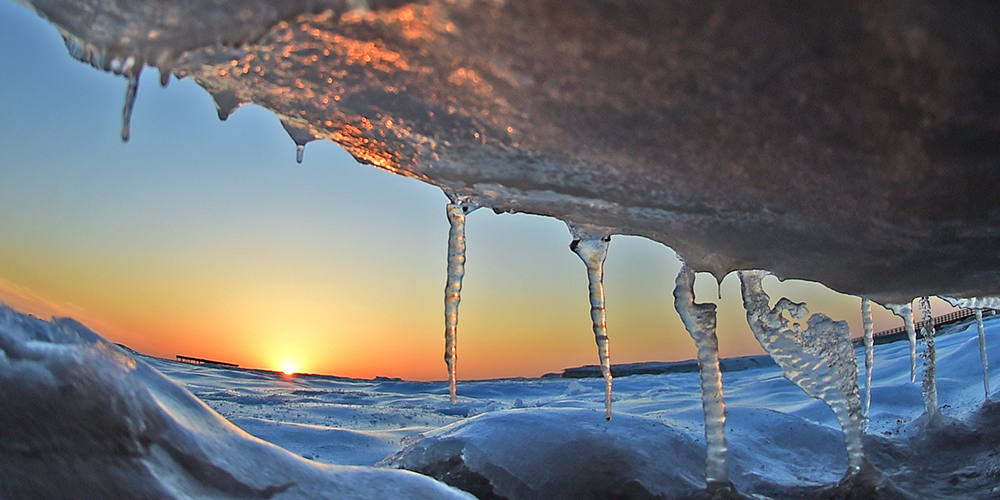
[[206, 238]]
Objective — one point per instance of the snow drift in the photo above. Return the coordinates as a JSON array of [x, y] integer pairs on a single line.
[[84, 419]]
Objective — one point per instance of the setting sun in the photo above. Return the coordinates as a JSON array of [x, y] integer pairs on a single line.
[[288, 368]]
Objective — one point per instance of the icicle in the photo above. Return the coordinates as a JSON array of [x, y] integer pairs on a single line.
[[130, 94], [866, 319], [299, 135], [457, 209], [905, 312], [593, 252], [700, 322], [820, 359], [930, 362], [226, 102], [974, 302], [982, 353]]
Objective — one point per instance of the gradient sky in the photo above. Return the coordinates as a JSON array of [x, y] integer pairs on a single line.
[[207, 239]]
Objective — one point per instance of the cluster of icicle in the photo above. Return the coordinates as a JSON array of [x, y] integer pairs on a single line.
[[128, 66], [817, 356]]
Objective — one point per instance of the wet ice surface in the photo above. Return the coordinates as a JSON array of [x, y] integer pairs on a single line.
[[781, 442]]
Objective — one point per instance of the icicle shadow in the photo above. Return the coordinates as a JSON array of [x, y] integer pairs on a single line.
[[905, 312], [593, 250], [700, 322], [819, 359], [457, 209]]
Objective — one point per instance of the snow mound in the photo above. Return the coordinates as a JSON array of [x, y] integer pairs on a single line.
[[554, 454], [83, 418], [561, 453]]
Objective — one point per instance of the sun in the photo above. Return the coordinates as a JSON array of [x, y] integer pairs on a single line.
[[288, 368]]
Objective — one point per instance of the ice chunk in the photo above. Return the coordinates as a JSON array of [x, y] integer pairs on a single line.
[[819, 359], [457, 209], [83, 418], [905, 312], [700, 322], [593, 250]]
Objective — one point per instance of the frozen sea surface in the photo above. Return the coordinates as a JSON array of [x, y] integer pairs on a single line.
[[780, 439], [85, 419]]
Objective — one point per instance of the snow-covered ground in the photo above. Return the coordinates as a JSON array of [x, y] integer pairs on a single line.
[[509, 438]]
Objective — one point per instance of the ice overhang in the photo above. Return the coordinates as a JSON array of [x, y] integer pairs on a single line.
[[852, 143]]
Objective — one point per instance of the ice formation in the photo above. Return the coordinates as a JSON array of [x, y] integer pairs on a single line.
[[905, 312], [819, 359], [592, 250], [869, 341], [83, 418], [457, 209], [983, 355], [669, 120], [700, 321], [929, 386], [978, 304]]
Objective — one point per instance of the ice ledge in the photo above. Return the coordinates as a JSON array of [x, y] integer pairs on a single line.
[[845, 143]]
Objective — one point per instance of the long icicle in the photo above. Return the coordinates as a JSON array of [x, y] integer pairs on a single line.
[[457, 209], [593, 251], [930, 365], [905, 312], [700, 321], [982, 352], [866, 320]]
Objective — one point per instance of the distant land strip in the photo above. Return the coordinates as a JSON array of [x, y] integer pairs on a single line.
[[199, 361]]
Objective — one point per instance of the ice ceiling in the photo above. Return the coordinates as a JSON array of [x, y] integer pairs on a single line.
[[849, 142]]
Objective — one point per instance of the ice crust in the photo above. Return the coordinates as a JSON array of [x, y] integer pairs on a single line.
[[808, 140], [84, 419]]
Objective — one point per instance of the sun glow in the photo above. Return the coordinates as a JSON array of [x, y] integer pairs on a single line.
[[288, 368]]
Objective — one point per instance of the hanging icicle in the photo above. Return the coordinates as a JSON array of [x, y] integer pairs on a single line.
[[593, 251], [130, 95], [700, 322], [905, 312], [978, 304], [982, 353], [930, 365], [457, 209], [819, 359], [869, 340]]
